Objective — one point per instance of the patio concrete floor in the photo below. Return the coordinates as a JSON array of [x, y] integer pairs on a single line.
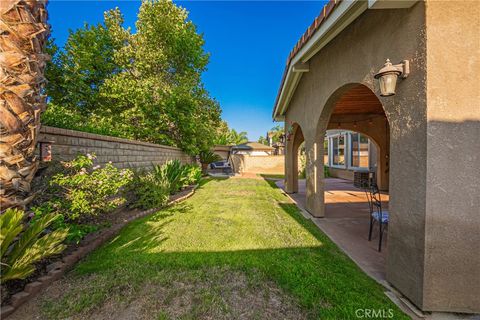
[[346, 222]]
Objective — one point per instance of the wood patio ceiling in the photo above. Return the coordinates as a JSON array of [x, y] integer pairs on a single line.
[[358, 100]]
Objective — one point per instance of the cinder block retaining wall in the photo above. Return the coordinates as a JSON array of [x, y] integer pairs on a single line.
[[124, 153], [258, 164]]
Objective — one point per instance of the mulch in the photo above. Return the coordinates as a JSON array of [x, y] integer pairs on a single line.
[[120, 215]]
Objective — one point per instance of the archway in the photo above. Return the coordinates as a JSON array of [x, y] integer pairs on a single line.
[[294, 140], [354, 107]]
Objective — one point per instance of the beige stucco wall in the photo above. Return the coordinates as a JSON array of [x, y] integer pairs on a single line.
[[351, 58], [433, 237], [341, 173], [258, 164], [452, 244]]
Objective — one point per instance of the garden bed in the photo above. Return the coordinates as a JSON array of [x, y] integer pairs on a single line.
[[16, 292]]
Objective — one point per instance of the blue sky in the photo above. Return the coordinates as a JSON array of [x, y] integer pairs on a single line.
[[248, 42]]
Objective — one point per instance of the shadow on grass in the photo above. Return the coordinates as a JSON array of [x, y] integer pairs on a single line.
[[272, 176], [207, 179], [325, 282]]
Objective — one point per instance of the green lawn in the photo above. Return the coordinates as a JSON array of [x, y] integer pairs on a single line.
[[272, 176], [237, 249]]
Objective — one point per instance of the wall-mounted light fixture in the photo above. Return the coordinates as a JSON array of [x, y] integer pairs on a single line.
[[46, 151], [387, 76]]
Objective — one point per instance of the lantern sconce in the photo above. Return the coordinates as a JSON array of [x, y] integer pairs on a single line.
[[387, 76], [46, 151]]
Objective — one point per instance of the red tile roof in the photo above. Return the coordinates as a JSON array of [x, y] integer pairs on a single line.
[[319, 20]]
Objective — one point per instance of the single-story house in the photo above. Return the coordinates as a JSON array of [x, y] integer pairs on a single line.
[[405, 74], [253, 149]]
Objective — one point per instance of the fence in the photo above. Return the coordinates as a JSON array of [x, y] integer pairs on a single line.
[[64, 144]]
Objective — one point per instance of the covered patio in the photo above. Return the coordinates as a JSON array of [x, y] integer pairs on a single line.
[[336, 78], [346, 222]]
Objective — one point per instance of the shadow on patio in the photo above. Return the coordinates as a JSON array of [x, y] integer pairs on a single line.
[[346, 222]]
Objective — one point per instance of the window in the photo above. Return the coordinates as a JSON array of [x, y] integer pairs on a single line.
[[338, 150], [359, 154], [325, 152]]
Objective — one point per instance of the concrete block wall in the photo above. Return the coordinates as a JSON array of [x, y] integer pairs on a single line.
[[123, 153], [258, 164]]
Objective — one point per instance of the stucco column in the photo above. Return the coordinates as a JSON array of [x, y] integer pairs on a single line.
[[314, 173], [290, 185], [452, 218], [383, 159]]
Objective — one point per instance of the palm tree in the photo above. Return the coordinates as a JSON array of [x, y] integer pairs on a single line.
[[23, 35], [238, 137], [207, 157]]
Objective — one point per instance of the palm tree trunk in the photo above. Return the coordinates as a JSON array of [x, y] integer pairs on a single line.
[[23, 33]]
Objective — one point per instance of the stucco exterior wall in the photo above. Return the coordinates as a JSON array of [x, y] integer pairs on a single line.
[[434, 125], [351, 58], [258, 164], [341, 173], [124, 153], [452, 244]]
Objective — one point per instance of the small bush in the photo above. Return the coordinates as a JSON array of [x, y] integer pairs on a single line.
[[207, 157], [173, 173], [326, 171], [192, 174], [87, 190], [23, 244], [150, 190]]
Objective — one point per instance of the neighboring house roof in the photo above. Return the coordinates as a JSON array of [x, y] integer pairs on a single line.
[[220, 147], [249, 146], [335, 16]]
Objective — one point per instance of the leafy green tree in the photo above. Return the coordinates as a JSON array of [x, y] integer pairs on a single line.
[[77, 72], [263, 140], [144, 85], [159, 90], [276, 133], [227, 136]]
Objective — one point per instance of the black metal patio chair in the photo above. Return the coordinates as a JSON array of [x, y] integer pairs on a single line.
[[377, 214]]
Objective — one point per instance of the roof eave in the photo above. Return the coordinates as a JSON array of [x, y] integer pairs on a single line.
[[336, 16], [340, 17]]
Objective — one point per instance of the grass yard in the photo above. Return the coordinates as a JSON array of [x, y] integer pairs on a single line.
[[272, 176], [238, 249]]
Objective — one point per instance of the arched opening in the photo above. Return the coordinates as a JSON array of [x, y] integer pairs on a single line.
[[359, 114], [355, 134], [295, 140]]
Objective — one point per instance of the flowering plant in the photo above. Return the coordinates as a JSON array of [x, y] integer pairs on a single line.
[[87, 190]]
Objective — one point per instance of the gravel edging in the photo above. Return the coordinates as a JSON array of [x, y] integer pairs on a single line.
[[57, 269]]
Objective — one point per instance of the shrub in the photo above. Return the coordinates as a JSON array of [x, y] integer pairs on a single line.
[[326, 171], [22, 244], [192, 174], [172, 172], [88, 190], [207, 157], [76, 232], [150, 190]]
